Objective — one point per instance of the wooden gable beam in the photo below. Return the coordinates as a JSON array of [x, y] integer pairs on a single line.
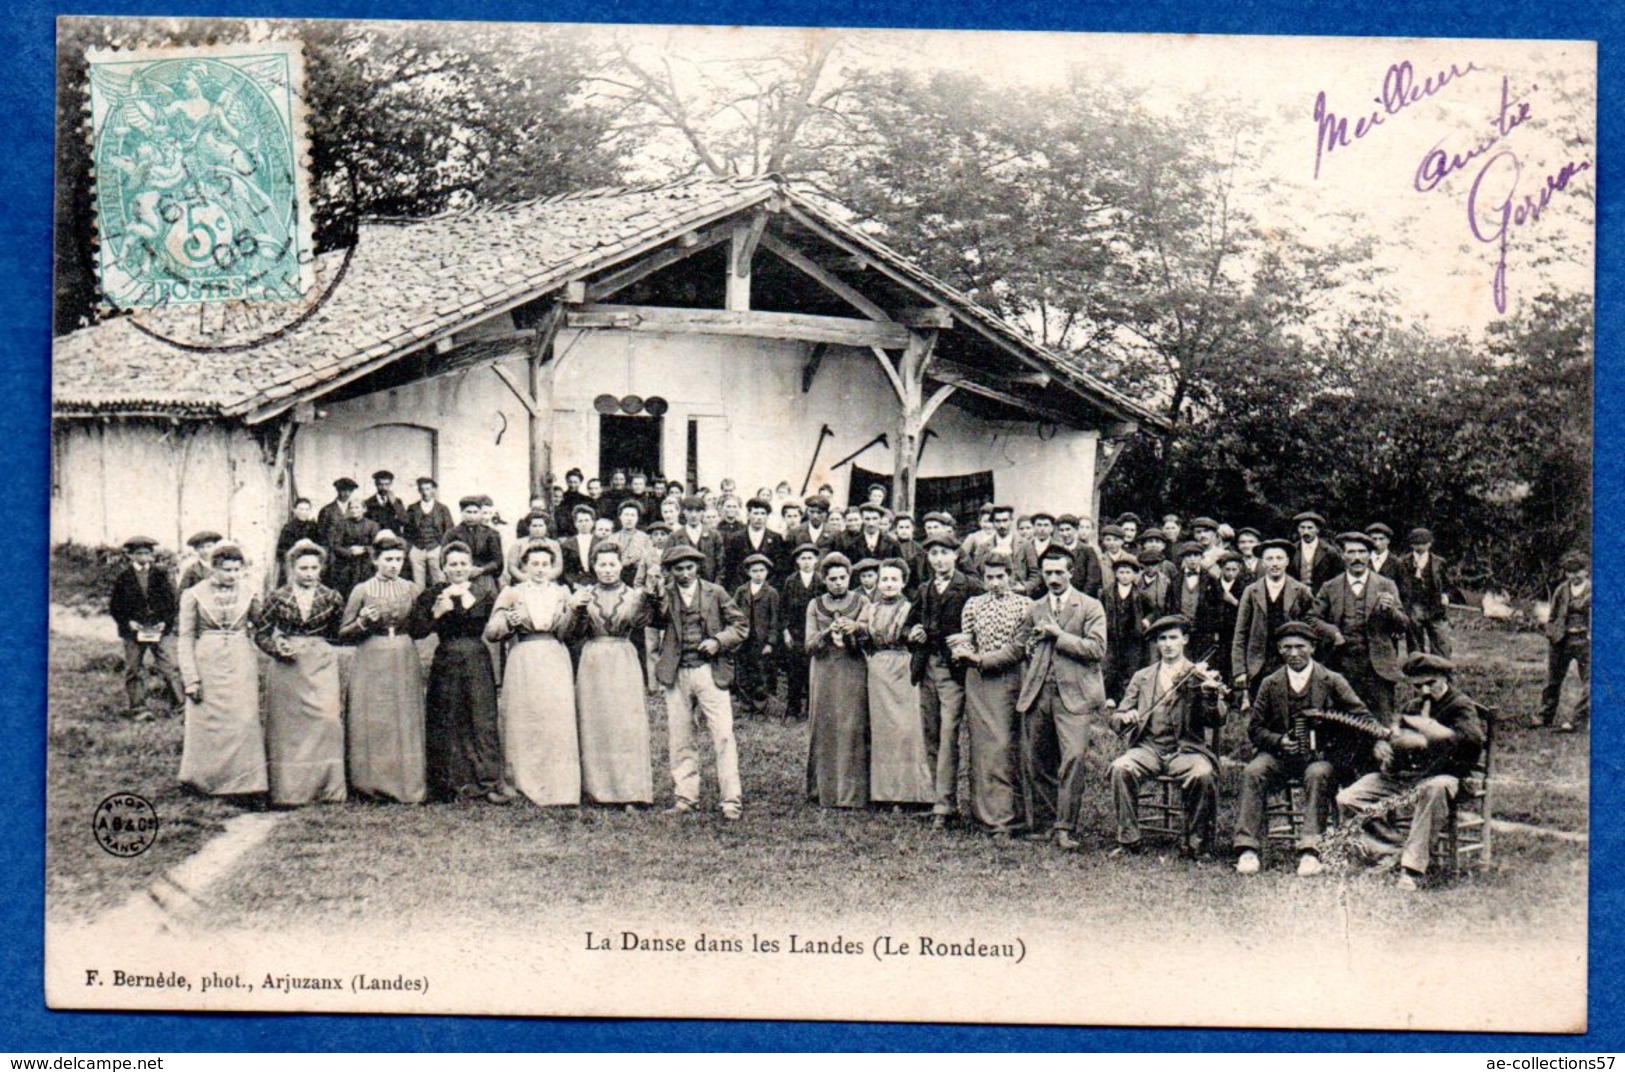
[[1039, 410], [840, 331], [824, 277], [891, 373], [518, 392], [662, 258], [1026, 379], [747, 239], [810, 369]]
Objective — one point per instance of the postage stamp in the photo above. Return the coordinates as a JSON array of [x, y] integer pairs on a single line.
[[200, 185]]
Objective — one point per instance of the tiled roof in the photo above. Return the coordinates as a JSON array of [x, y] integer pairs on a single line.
[[408, 281]]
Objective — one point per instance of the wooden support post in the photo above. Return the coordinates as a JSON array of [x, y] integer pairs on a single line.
[[1107, 452], [542, 369], [741, 250], [911, 391]]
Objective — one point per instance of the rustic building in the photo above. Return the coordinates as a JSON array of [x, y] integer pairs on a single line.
[[701, 329]]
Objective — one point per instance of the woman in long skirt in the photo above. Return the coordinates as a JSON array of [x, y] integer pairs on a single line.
[[304, 724], [386, 682], [838, 700], [224, 749], [540, 744], [898, 770], [616, 767], [464, 749]]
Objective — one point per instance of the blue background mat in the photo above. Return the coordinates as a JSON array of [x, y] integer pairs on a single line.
[[27, 124]]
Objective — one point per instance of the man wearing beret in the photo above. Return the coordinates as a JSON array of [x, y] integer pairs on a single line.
[[1427, 595], [1268, 603], [817, 530], [1568, 631], [1125, 625], [702, 625], [940, 605], [755, 679], [1287, 746], [1165, 716], [1430, 752], [144, 606], [693, 533], [1314, 561], [1360, 615], [754, 539], [384, 508]]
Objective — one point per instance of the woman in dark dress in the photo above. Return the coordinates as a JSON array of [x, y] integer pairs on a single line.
[[351, 548], [464, 752]]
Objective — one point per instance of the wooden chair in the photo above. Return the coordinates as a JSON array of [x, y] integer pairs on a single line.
[[1162, 804], [1466, 837], [1283, 818]]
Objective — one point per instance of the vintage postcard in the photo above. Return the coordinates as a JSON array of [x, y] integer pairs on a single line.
[[817, 524]]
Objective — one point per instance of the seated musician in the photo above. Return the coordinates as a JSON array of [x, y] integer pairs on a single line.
[[1291, 744], [1166, 712], [1423, 762]]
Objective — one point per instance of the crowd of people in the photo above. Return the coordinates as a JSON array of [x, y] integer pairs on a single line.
[[969, 677]]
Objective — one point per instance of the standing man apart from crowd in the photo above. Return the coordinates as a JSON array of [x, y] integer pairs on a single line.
[[940, 600], [801, 587], [993, 643], [384, 508], [1125, 625], [1062, 694], [1314, 561], [1362, 617], [758, 600], [1166, 714], [1430, 752], [1427, 590], [144, 606], [702, 626], [1568, 632], [1286, 747], [1268, 603], [427, 522]]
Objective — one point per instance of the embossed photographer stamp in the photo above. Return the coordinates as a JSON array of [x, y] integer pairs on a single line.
[[201, 192]]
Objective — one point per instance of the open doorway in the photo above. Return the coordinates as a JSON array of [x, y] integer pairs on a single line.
[[629, 443]]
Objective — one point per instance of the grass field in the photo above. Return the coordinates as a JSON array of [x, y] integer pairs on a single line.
[[479, 865]]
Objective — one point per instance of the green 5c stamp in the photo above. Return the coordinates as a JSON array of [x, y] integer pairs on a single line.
[[200, 183]]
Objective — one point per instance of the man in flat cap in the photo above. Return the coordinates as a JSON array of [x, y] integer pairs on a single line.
[[1247, 541], [1086, 576], [1029, 552], [1126, 619], [1384, 562], [1165, 716], [701, 626], [758, 600], [1268, 603], [1196, 594], [817, 530], [1427, 595], [1568, 632], [1362, 619], [940, 603], [1205, 534], [1429, 751], [331, 516], [383, 507], [871, 540], [754, 539], [1314, 561], [144, 606], [1289, 745], [484, 542], [194, 568]]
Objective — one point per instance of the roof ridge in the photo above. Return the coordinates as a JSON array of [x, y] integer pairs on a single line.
[[597, 193]]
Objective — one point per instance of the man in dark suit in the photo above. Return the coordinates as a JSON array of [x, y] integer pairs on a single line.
[[693, 533], [1195, 594], [1383, 562], [1270, 602], [702, 625], [817, 530], [331, 516], [1282, 753], [144, 606], [384, 508], [1125, 624], [577, 548], [800, 587], [1314, 561], [1568, 632], [1427, 595], [1362, 618], [940, 603], [1086, 576], [871, 541], [1062, 694], [482, 539], [757, 599], [754, 539]]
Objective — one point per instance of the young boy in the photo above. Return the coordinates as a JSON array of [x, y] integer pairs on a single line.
[[754, 679], [144, 606]]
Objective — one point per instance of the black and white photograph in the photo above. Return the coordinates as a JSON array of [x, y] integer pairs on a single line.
[[820, 524]]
